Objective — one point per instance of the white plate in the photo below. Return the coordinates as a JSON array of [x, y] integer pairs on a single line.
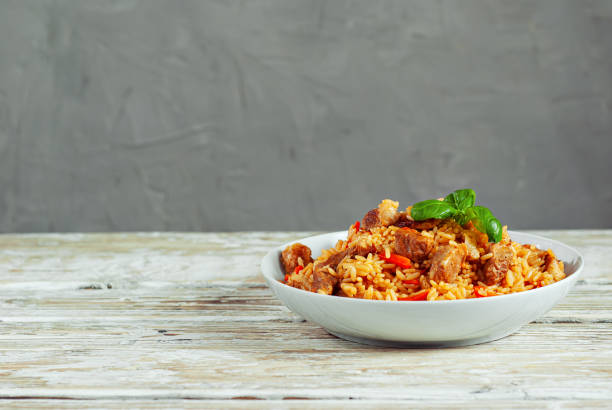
[[422, 323]]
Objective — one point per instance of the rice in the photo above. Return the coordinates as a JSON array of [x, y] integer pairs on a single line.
[[372, 277]]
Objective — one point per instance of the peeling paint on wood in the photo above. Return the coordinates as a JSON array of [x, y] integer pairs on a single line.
[[188, 322]]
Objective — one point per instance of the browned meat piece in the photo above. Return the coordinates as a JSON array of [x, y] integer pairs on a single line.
[[470, 239], [404, 221], [427, 224], [446, 263], [553, 265], [413, 245], [384, 215], [371, 220], [323, 280], [495, 268], [335, 259], [362, 250], [387, 211], [289, 257], [536, 257]]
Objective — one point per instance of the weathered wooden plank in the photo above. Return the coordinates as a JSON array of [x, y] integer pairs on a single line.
[[127, 260], [244, 354], [587, 299], [129, 320], [245, 402]]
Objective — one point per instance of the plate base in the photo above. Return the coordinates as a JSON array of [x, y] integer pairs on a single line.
[[414, 345]]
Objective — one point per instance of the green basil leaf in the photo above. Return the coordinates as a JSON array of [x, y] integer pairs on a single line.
[[494, 230], [432, 208], [484, 221], [461, 199], [461, 218], [474, 216]]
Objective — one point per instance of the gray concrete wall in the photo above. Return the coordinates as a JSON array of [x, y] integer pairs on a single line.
[[280, 115]]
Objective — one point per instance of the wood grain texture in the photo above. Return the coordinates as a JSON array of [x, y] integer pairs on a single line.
[[185, 320]]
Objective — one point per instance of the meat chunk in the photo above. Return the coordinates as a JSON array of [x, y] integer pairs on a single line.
[[413, 245], [334, 260], [387, 211], [322, 280], [496, 267], [553, 265], [471, 244], [290, 257], [446, 263], [404, 222], [371, 220], [535, 256], [385, 215]]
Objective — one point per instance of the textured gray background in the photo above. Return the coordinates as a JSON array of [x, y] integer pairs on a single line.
[[239, 115]]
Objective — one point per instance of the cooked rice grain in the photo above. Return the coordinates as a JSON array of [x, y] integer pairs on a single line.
[[372, 278]]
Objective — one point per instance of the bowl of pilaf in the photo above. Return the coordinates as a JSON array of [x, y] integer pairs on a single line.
[[443, 272]]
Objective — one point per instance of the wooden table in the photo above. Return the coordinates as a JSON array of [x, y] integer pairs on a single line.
[[185, 320]]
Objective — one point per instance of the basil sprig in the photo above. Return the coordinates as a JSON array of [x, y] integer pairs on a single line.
[[459, 205], [432, 208]]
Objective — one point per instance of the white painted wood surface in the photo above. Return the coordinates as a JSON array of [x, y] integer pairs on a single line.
[[185, 320]]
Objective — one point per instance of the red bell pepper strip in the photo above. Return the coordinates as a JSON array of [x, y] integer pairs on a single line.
[[287, 277], [298, 269], [398, 260], [411, 282], [422, 295], [357, 226], [478, 294]]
